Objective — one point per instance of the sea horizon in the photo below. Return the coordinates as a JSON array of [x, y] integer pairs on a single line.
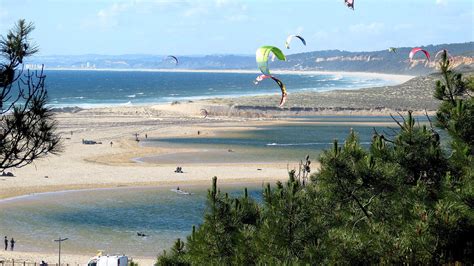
[[234, 132]]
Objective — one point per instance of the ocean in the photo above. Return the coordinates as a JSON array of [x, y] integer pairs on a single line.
[[88, 89], [109, 219]]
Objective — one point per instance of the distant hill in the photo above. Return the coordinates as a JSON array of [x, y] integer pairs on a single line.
[[329, 60], [379, 61]]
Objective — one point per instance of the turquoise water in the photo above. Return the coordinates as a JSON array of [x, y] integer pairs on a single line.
[[276, 143], [285, 143], [104, 88], [107, 219], [355, 118]]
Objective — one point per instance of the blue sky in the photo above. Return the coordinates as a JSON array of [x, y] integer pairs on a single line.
[[192, 27]]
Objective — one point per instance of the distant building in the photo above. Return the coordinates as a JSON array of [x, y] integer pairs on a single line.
[[33, 66]]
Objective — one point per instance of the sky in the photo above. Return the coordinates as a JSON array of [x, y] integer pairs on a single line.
[[197, 27]]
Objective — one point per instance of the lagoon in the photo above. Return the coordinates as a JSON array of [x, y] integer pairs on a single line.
[[107, 219]]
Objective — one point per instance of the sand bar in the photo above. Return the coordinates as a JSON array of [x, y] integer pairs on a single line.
[[105, 165]]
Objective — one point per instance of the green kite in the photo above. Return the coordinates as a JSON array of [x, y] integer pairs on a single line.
[[262, 57]]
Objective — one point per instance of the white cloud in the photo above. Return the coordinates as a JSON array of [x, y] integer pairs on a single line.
[[237, 17], [109, 16], [224, 10], [372, 28], [441, 2], [220, 3], [195, 11], [299, 30], [403, 26], [231, 10], [228, 3]]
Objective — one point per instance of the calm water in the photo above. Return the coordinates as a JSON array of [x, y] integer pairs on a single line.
[[280, 143], [107, 219], [110, 219], [285, 143], [103, 88]]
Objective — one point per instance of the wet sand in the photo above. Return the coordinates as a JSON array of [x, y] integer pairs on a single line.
[[104, 165], [52, 258]]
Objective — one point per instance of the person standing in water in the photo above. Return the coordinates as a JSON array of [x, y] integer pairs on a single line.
[[12, 244], [6, 243]]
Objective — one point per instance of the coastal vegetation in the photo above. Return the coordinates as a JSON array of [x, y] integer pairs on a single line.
[[406, 199], [27, 127], [225, 132]]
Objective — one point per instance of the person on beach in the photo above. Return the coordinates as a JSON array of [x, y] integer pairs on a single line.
[[6, 243], [111, 144], [12, 244]]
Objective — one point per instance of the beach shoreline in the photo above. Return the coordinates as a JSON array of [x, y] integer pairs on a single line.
[[29, 258], [118, 164], [382, 80], [88, 166], [108, 165], [26, 192], [111, 165]]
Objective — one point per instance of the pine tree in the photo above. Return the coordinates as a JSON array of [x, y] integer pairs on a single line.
[[286, 232], [405, 200], [28, 130]]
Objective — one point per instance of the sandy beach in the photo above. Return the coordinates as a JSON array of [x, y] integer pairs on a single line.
[[105, 165], [72, 259], [112, 163]]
